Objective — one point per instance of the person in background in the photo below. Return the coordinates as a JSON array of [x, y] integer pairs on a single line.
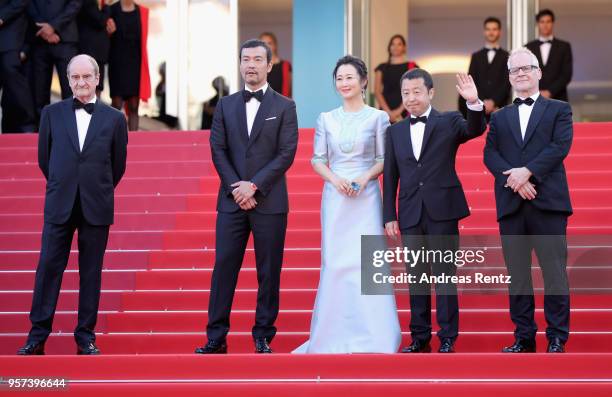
[[488, 68], [279, 77], [128, 65], [93, 21], [387, 75], [208, 108], [554, 56], [17, 104], [160, 95]]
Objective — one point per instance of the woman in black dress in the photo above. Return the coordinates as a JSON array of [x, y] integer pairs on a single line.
[[279, 77], [125, 59], [388, 75]]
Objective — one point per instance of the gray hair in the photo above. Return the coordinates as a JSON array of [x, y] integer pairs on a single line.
[[96, 68], [524, 50]]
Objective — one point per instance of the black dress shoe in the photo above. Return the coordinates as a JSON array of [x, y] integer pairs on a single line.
[[262, 346], [555, 345], [521, 346], [447, 345], [213, 347], [417, 346], [32, 349], [88, 350]]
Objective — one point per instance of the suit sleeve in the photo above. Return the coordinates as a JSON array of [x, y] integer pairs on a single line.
[[565, 73], [219, 150], [554, 154], [34, 13], [493, 159], [474, 127], [390, 180], [287, 146], [12, 10], [68, 14], [119, 150], [44, 143]]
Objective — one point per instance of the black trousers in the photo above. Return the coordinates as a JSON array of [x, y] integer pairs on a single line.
[[44, 57], [532, 229], [56, 242], [232, 234], [17, 103], [433, 235]]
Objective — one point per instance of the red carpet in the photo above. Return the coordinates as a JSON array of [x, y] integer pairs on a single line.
[[157, 276]]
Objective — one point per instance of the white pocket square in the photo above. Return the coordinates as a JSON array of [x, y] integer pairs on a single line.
[[270, 118]]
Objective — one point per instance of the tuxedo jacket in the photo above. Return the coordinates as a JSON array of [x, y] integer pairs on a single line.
[[14, 26], [262, 158], [94, 171], [61, 14], [91, 22], [557, 73], [432, 180], [548, 139]]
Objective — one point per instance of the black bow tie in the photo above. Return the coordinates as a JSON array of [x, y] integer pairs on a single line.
[[414, 120], [545, 41], [527, 101], [247, 95], [76, 104]]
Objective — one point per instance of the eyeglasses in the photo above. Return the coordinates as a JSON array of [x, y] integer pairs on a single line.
[[524, 69], [88, 78]]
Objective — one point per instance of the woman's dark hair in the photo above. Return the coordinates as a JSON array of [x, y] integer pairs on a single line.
[[417, 73], [270, 35], [358, 64], [254, 43], [395, 36]]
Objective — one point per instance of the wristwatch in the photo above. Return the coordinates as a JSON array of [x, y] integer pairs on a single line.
[[253, 186]]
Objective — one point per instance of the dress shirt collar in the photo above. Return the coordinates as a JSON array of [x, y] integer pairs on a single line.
[[264, 88]]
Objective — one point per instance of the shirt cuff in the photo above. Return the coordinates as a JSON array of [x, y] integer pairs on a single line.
[[478, 107]]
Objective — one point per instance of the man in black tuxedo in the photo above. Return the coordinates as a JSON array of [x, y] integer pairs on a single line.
[[253, 140], [92, 22], [554, 56], [17, 105], [489, 70], [420, 156], [82, 149], [55, 43], [525, 148]]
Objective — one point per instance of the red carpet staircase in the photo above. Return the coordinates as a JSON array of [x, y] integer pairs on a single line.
[[157, 275]]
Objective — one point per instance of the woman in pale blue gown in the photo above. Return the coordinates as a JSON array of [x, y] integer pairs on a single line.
[[348, 154]]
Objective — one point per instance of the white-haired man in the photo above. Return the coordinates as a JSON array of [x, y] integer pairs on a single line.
[[526, 145]]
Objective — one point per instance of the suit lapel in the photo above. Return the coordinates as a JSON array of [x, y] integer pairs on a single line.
[[536, 115], [92, 128], [71, 125], [515, 124], [242, 123], [262, 113], [408, 137], [432, 120]]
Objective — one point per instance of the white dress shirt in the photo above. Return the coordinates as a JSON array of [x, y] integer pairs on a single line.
[[491, 52], [252, 106], [417, 131], [82, 119], [545, 49], [525, 113]]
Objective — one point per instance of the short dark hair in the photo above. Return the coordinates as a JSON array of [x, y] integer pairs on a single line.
[[417, 73], [494, 20], [254, 43], [544, 13], [358, 64]]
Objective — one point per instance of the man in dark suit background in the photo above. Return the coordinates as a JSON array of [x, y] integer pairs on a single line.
[[17, 105], [55, 44], [525, 148], [554, 57], [92, 22], [82, 149], [489, 71], [253, 140], [420, 157]]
